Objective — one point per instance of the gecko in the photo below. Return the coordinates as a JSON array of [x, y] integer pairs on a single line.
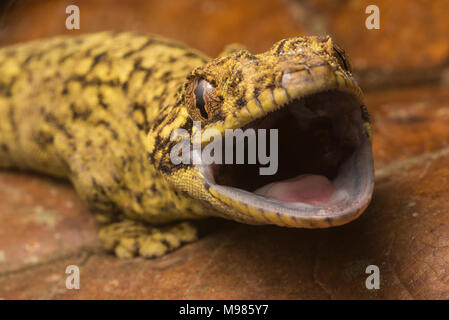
[[100, 110]]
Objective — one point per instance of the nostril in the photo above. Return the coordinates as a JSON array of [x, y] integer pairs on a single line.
[[297, 77], [292, 78]]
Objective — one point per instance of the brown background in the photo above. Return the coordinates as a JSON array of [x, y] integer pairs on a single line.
[[404, 70]]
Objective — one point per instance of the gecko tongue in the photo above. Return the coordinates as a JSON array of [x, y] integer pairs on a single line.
[[306, 188]]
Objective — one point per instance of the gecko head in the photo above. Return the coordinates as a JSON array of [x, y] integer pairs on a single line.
[[302, 94]]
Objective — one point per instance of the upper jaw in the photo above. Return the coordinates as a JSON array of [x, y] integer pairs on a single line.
[[294, 82]]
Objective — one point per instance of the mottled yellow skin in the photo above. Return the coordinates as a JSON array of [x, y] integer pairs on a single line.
[[99, 110]]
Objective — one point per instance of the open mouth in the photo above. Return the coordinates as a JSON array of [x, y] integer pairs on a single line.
[[324, 161]]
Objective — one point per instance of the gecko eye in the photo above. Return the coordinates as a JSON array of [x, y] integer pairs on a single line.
[[202, 101], [342, 58], [204, 93], [201, 92], [205, 100]]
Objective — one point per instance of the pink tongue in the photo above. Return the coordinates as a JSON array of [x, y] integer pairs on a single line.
[[306, 188]]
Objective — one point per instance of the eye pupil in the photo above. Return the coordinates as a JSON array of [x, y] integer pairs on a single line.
[[200, 91]]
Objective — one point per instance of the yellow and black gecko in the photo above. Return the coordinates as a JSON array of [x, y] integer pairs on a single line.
[[100, 109]]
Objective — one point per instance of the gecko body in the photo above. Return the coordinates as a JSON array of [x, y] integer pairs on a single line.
[[100, 110]]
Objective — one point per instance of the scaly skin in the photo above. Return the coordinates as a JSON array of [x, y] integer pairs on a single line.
[[99, 110]]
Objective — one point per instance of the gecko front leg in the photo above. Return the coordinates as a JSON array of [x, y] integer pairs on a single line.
[[129, 238], [98, 170]]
